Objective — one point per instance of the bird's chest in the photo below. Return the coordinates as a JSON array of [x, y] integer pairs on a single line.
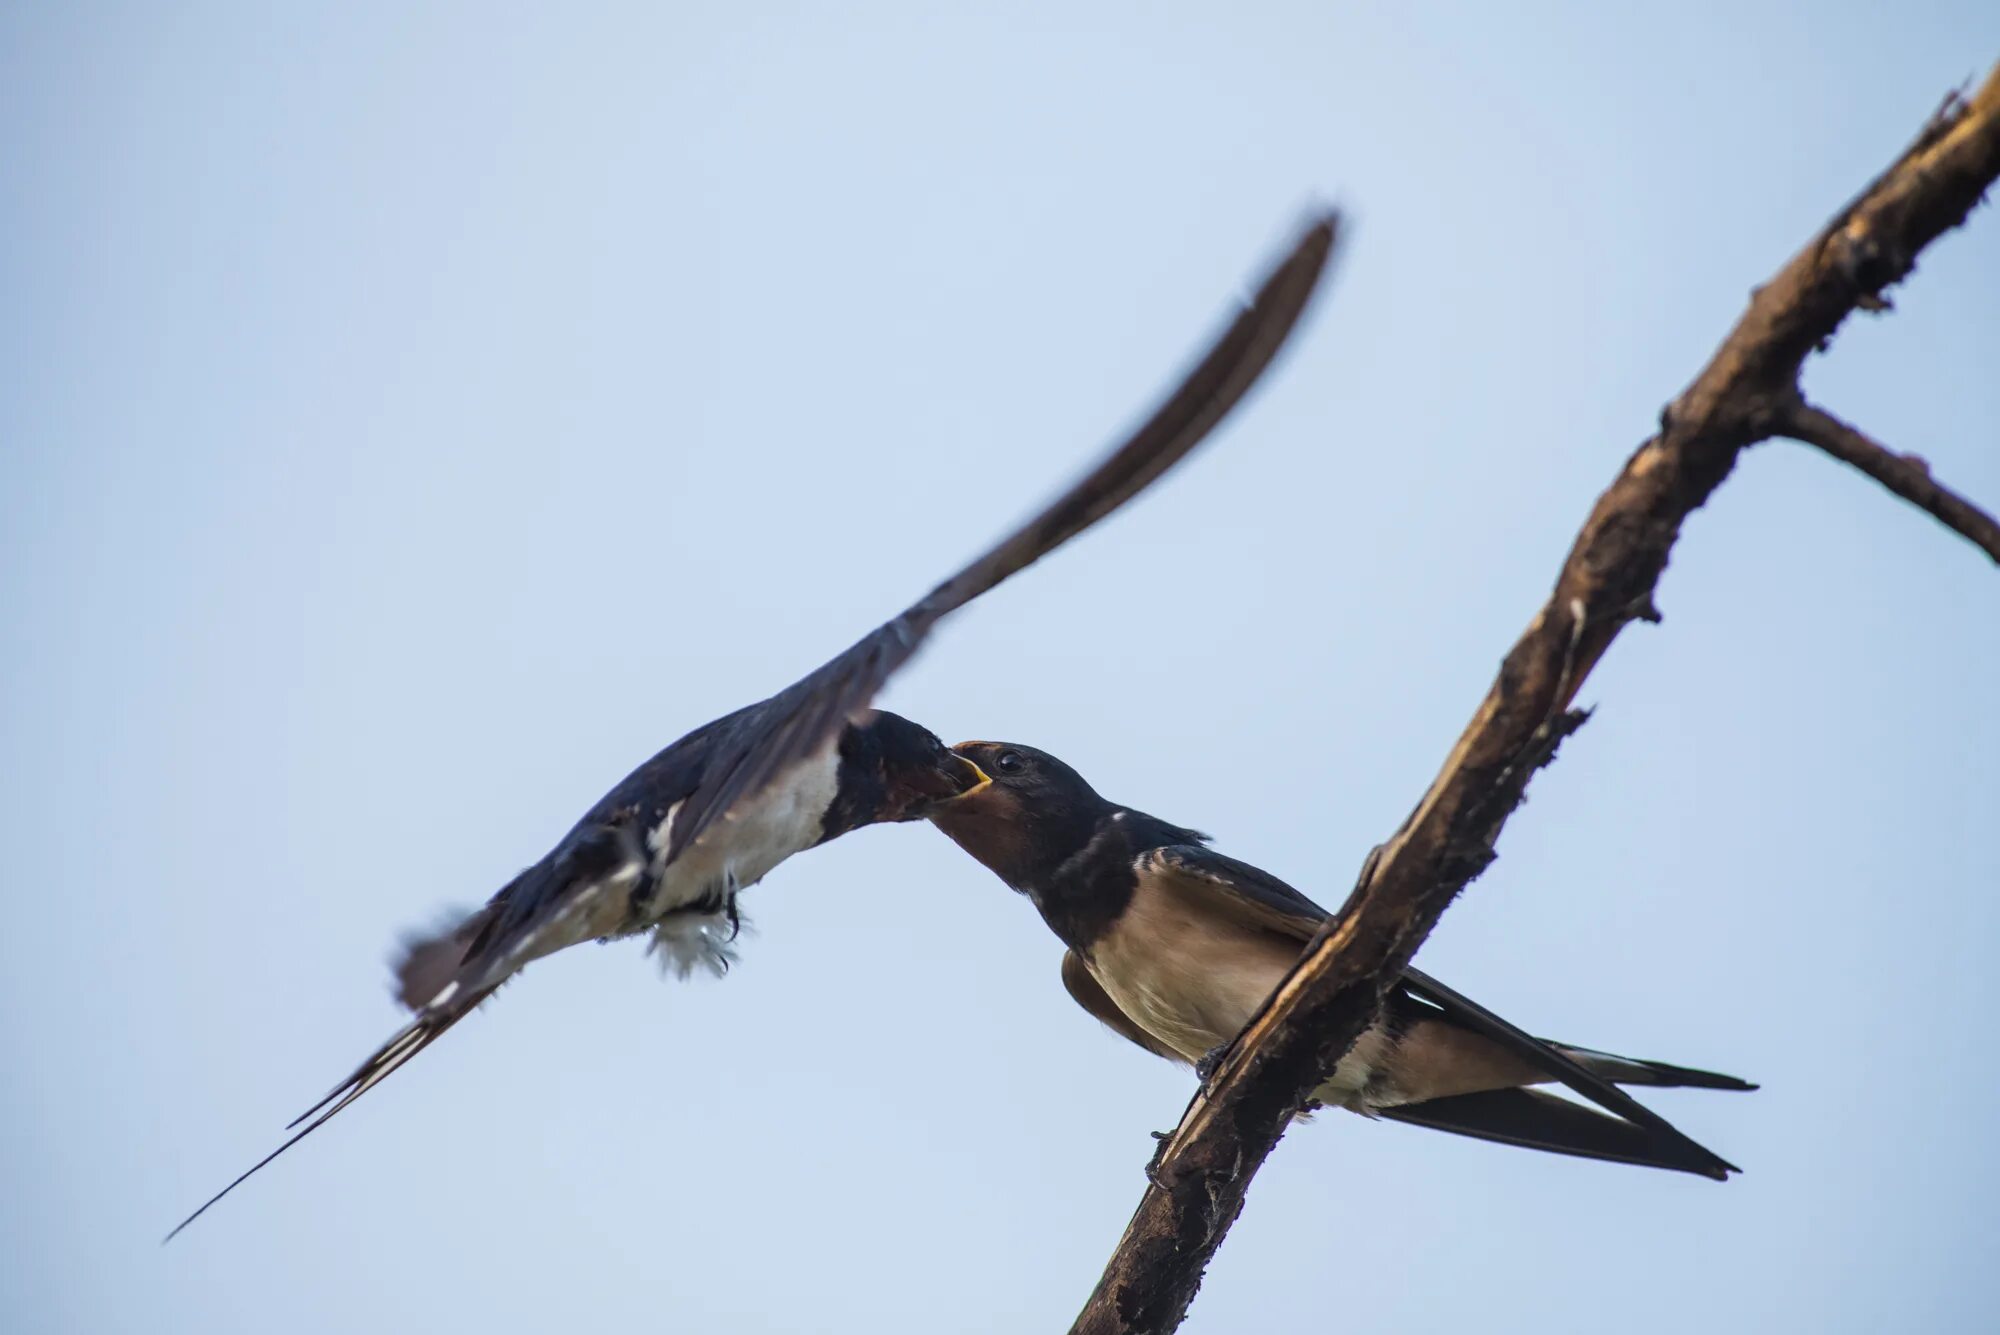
[[1180, 979], [1193, 987]]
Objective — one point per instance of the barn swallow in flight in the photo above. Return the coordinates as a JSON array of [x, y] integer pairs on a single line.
[[1176, 946], [667, 851]]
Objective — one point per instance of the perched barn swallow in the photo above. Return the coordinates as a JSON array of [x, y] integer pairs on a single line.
[[1176, 946], [668, 850]]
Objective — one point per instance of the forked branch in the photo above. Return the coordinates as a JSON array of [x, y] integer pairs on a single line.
[[1747, 393]]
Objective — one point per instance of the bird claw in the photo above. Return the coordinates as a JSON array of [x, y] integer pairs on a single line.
[[1210, 1061]]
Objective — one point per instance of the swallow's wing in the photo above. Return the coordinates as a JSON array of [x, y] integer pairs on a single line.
[[1255, 898], [1539, 1120], [1248, 895], [1093, 998], [1666, 1140], [800, 720], [1217, 383]]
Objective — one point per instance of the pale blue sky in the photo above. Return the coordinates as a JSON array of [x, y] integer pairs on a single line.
[[412, 419]]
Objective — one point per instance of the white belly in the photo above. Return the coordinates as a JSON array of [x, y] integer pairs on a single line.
[[735, 853]]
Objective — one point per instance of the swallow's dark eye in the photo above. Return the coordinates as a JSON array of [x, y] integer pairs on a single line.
[[1010, 762]]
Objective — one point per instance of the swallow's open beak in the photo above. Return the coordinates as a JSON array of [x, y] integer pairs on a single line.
[[971, 778]]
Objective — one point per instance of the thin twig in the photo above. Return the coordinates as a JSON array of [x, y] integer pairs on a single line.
[[1905, 474]]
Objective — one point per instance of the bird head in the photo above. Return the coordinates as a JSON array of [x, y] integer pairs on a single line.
[[1033, 811], [903, 767]]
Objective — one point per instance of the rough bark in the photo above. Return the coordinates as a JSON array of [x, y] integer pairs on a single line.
[[1748, 392]]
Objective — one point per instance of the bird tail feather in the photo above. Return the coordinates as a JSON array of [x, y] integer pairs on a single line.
[[1537, 1119], [1633, 1071], [407, 1042]]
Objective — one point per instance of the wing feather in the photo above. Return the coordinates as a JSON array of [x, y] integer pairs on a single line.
[[1250, 895], [1258, 899], [1538, 1120], [805, 716]]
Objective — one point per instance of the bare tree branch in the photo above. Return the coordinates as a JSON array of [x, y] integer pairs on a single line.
[[1746, 393], [1905, 474]]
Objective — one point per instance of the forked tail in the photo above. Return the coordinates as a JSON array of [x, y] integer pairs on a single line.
[[413, 1038]]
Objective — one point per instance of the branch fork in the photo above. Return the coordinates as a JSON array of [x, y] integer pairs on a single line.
[[1749, 392]]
